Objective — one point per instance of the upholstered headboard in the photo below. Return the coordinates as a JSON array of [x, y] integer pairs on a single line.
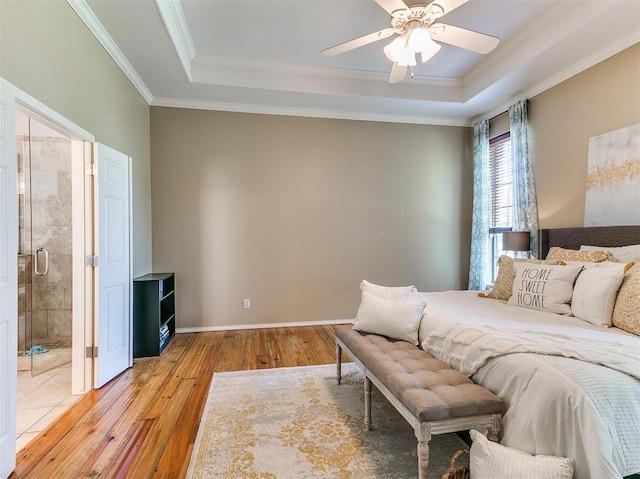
[[573, 238]]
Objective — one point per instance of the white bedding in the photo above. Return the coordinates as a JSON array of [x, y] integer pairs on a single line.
[[468, 348], [556, 405]]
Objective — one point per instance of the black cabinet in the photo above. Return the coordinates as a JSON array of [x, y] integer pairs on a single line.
[[154, 313]]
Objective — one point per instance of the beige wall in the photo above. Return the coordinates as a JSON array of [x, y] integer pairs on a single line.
[[293, 212], [47, 51], [603, 98]]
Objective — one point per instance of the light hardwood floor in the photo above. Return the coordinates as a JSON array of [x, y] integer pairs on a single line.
[[144, 422]]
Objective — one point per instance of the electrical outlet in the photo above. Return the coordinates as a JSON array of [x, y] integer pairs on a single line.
[[247, 303]]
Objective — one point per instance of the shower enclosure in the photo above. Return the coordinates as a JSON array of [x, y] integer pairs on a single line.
[[45, 245]]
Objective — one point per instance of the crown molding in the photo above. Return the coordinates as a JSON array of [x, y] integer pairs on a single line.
[[537, 41], [257, 67], [578, 67], [306, 112], [303, 83], [176, 24], [97, 29], [506, 50]]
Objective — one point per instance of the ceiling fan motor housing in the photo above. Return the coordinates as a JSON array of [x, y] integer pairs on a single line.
[[417, 16]]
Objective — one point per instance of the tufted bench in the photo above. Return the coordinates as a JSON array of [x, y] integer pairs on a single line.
[[431, 396]]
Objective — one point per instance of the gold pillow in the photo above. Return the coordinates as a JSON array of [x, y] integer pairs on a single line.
[[562, 254], [503, 285], [626, 313]]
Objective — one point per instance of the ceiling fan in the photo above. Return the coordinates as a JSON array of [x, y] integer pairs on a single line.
[[417, 29]]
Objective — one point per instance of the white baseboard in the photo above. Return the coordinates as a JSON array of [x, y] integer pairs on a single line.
[[231, 327]]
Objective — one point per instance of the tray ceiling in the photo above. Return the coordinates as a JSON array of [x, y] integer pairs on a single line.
[[263, 56]]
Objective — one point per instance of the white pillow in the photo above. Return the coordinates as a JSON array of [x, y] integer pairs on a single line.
[[622, 254], [489, 460], [595, 291], [389, 318], [544, 287], [395, 293]]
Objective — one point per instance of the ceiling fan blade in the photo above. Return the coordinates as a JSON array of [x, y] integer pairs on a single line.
[[358, 42], [463, 38], [398, 73], [394, 5], [449, 5]]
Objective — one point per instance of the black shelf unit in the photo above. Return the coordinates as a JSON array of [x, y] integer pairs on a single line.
[[154, 313]]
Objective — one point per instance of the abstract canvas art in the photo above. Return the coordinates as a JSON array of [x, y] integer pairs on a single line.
[[613, 178]]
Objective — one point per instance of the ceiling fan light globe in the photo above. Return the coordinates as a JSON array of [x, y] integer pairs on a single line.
[[409, 60], [417, 38], [405, 58], [398, 52], [393, 51], [429, 52]]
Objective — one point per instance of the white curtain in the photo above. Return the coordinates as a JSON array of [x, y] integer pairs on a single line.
[[480, 257], [525, 206]]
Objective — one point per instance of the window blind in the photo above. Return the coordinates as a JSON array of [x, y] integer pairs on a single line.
[[501, 182]]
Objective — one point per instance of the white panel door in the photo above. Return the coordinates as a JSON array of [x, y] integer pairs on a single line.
[[8, 282], [114, 318]]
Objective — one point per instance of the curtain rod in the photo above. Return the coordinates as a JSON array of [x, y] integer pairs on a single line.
[[498, 114]]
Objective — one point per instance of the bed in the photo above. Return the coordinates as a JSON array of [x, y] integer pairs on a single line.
[[580, 398]]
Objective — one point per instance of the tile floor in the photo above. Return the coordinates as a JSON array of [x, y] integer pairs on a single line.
[[41, 399]]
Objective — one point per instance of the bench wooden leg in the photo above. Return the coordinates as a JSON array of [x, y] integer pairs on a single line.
[[423, 435], [338, 363], [423, 459], [367, 402]]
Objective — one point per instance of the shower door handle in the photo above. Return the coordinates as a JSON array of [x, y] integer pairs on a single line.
[[46, 262]]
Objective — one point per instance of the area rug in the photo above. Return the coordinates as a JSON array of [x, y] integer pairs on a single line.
[[298, 423]]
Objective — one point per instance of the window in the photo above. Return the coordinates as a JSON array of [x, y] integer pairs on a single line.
[[501, 191]]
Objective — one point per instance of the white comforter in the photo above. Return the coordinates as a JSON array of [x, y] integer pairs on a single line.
[[467, 348], [556, 405]]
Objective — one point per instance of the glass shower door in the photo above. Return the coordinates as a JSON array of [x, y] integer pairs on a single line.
[[24, 263], [46, 235]]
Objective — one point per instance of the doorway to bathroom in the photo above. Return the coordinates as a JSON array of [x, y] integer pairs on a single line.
[[45, 279], [97, 298]]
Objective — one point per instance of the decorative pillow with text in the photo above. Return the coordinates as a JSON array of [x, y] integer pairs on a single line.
[[504, 282], [544, 287]]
